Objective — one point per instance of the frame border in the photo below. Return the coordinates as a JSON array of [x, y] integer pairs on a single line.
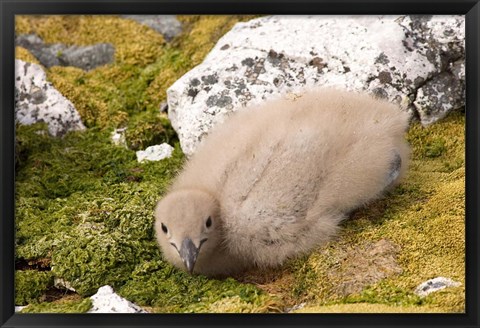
[[10, 8]]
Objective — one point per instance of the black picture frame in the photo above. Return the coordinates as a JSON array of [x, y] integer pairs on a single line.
[[10, 8]]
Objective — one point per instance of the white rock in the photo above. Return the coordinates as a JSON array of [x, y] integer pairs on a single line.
[[155, 153], [434, 285], [388, 56], [118, 137], [62, 283], [36, 100], [107, 301], [295, 307], [19, 308]]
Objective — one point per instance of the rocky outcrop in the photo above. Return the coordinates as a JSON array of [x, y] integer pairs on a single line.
[[36, 100], [415, 61]]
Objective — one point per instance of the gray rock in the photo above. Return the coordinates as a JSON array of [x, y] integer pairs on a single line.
[[84, 57], [28, 40], [36, 100], [441, 41], [87, 57], [167, 25], [46, 55], [107, 301], [390, 57], [438, 96], [434, 285]]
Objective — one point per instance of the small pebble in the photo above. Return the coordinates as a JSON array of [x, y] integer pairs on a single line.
[[434, 285], [155, 153], [118, 137], [19, 308], [107, 301]]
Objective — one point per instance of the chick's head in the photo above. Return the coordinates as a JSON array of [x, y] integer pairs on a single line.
[[188, 228]]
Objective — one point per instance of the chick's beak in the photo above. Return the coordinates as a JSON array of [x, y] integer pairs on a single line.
[[188, 253]]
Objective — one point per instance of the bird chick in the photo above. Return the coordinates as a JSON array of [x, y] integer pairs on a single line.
[[273, 181]]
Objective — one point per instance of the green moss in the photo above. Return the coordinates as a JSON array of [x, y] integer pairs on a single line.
[[166, 289], [385, 293], [71, 306], [440, 146], [92, 240], [435, 148], [149, 129], [30, 285], [168, 68], [97, 95]]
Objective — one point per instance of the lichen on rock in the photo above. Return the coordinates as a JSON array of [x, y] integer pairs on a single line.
[[36, 100], [387, 56]]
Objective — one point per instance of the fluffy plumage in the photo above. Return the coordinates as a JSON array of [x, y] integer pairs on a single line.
[[274, 181]]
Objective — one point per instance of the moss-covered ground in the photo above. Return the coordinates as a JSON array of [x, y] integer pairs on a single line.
[[84, 207]]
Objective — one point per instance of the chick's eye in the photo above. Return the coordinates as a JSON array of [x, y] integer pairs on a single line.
[[208, 224], [164, 228]]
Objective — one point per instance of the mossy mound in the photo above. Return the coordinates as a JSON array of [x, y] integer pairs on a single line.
[[165, 289], [30, 285], [84, 207], [60, 213]]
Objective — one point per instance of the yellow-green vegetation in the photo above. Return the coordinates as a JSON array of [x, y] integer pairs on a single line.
[[30, 285], [369, 308], [165, 289], [62, 306], [145, 66], [25, 55], [135, 44], [84, 207]]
